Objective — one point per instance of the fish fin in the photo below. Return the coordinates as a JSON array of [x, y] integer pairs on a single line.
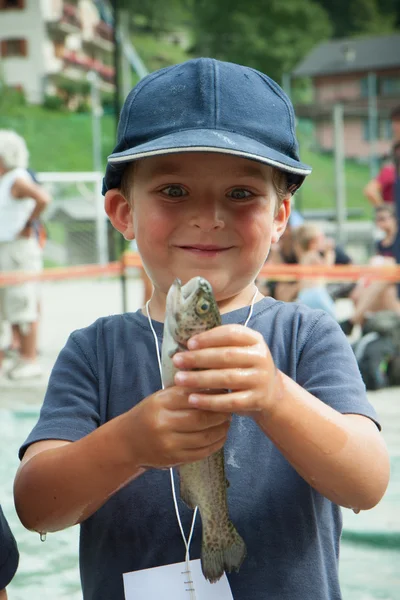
[[186, 495], [226, 556]]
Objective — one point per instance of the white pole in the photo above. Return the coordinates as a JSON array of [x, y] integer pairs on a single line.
[[340, 180], [101, 223], [372, 124], [97, 113]]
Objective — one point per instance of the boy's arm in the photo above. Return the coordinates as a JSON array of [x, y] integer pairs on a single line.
[[341, 455], [60, 484]]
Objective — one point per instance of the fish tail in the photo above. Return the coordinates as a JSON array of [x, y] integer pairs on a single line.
[[224, 554]]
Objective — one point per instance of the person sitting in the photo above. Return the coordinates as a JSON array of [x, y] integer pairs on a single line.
[[373, 296], [313, 248]]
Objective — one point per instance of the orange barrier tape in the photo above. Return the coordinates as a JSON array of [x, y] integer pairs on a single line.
[[332, 273], [60, 273], [285, 272], [282, 272]]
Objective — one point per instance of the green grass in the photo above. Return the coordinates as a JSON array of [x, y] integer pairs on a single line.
[[58, 141], [157, 53]]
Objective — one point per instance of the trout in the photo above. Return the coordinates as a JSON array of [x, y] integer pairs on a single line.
[[192, 309]]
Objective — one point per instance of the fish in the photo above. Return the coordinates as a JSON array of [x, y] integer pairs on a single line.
[[191, 309]]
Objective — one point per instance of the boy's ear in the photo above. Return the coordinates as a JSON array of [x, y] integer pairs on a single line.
[[119, 212], [280, 220]]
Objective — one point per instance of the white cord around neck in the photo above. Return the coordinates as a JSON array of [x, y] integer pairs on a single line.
[[158, 353]]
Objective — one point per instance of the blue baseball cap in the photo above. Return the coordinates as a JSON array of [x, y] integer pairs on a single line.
[[205, 105]]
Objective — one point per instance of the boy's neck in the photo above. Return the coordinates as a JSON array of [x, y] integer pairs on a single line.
[[158, 302]]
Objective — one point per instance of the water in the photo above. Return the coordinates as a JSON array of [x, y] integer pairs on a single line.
[[370, 553]]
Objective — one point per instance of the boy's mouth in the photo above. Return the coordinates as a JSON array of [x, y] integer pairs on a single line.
[[205, 249]]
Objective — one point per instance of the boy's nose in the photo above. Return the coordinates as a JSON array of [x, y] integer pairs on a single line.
[[208, 218]]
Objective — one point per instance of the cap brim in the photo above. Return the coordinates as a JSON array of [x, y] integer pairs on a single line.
[[206, 140]]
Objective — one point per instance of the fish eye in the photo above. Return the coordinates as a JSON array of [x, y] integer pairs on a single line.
[[202, 307]]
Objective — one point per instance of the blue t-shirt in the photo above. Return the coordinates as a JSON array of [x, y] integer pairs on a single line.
[[291, 531], [9, 556]]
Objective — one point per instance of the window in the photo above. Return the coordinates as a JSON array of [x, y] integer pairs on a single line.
[[390, 86], [12, 4], [13, 47], [364, 87], [384, 129]]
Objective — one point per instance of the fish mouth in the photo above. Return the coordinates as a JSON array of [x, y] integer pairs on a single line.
[[193, 287], [180, 296]]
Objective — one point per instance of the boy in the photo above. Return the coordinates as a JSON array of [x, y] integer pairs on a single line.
[[201, 177], [312, 248], [9, 556]]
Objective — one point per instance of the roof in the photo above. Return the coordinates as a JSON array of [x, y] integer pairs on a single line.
[[351, 55]]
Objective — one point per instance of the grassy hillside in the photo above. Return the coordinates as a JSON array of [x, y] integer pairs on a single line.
[[61, 141], [58, 141]]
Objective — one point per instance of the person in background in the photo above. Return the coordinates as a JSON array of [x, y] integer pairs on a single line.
[[21, 203], [283, 252], [381, 189], [9, 555], [371, 296], [313, 248], [386, 222]]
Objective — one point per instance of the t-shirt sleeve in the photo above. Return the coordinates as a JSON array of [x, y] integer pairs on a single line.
[[328, 369], [71, 405], [385, 176], [9, 555]]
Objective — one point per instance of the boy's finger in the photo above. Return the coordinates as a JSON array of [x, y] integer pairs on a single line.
[[225, 335], [184, 421], [235, 402], [219, 358], [233, 379]]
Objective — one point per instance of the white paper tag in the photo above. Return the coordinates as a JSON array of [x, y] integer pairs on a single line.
[[173, 582]]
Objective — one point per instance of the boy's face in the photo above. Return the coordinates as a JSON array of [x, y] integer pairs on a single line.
[[204, 214]]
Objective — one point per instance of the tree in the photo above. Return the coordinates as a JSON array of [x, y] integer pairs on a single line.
[[269, 35], [156, 15]]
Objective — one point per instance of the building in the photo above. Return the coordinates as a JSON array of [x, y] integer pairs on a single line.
[[47, 47], [363, 74]]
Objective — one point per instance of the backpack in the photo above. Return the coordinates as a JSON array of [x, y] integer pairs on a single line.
[[378, 350]]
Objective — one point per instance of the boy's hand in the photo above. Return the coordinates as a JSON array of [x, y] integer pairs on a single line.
[[165, 431], [234, 358]]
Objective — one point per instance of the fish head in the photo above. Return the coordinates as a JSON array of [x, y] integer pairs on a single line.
[[191, 309]]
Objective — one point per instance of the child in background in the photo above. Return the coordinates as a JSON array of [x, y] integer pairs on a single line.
[[386, 222], [202, 175], [313, 248], [371, 296]]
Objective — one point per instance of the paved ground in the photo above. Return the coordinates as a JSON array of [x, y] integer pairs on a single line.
[[67, 306]]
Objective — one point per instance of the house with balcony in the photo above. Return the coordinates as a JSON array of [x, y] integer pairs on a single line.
[[362, 74], [49, 46]]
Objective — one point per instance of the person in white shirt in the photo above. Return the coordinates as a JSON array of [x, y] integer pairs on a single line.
[[21, 202]]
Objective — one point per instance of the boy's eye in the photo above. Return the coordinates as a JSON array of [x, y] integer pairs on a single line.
[[240, 194], [174, 191]]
